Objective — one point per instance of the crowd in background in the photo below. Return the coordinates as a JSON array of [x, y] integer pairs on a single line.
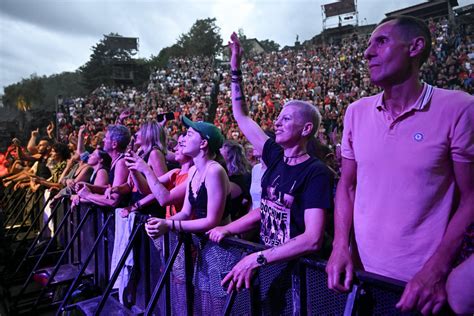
[[330, 77]]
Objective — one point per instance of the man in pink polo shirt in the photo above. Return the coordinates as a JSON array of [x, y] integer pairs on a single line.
[[407, 172]]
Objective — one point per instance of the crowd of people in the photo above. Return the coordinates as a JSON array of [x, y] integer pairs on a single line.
[[282, 130]]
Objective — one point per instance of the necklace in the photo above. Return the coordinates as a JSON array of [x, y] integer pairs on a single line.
[[287, 158]]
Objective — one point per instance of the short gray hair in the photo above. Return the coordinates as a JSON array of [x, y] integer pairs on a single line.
[[120, 134], [307, 113]]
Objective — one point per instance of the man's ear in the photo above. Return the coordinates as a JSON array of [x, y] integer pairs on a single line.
[[417, 46]]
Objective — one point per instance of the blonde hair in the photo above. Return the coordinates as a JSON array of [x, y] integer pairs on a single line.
[[236, 161], [152, 136]]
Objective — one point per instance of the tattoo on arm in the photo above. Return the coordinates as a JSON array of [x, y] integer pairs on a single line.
[[275, 248]]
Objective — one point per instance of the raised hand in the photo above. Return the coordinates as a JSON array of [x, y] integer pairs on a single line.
[[50, 128], [82, 129], [35, 133], [125, 114], [236, 52]]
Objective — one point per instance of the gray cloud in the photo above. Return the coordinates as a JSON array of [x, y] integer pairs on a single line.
[[51, 36]]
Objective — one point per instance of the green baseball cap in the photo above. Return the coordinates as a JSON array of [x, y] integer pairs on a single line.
[[207, 131]]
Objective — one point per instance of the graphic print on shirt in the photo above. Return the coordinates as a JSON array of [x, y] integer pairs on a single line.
[[275, 215]]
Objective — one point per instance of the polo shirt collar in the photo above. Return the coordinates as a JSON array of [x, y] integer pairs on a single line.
[[420, 104]]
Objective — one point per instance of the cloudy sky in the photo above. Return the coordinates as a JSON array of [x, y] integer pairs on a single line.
[[52, 36]]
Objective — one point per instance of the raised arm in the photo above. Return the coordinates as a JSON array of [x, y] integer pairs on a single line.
[[50, 131], [80, 140], [31, 147], [249, 127], [157, 164]]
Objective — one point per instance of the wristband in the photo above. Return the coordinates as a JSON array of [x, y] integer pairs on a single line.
[[237, 72]]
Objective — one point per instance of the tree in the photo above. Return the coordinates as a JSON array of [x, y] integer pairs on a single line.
[[68, 84], [25, 94], [244, 42], [203, 39], [269, 45], [98, 70], [161, 61]]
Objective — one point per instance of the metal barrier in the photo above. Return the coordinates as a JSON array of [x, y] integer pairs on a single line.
[[166, 279], [299, 287]]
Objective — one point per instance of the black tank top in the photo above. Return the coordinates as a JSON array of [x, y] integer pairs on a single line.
[[154, 208], [199, 203]]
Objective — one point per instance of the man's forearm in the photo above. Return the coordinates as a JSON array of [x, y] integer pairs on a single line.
[[294, 248], [343, 215], [444, 256], [101, 200]]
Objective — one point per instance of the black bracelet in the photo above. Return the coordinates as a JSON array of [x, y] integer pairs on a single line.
[[238, 98], [236, 80], [237, 72]]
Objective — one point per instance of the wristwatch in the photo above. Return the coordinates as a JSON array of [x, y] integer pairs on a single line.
[[261, 260]]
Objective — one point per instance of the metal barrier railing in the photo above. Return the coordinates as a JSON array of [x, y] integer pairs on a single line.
[[298, 287]]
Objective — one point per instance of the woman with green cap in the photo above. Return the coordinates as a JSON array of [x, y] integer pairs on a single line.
[[201, 213]]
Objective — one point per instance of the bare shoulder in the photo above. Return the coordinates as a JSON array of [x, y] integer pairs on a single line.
[[215, 169], [156, 154]]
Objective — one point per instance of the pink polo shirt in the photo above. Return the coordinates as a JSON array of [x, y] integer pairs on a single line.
[[405, 180]]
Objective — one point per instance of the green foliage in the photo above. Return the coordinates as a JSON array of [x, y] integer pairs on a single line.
[[40, 92], [203, 39], [142, 72], [66, 83], [269, 45], [161, 61], [27, 93], [244, 42], [98, 70]]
